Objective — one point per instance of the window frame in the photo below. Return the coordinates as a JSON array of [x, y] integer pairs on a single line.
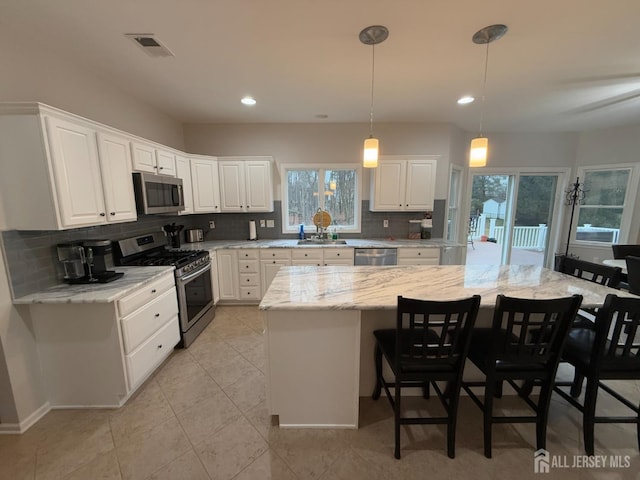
[[627, 206], [321, 168]]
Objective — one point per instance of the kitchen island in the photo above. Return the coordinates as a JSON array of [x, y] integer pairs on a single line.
[[319, 323]]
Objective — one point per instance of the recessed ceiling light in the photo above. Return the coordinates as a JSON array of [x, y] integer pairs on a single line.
[[248, 101], [466, 99]]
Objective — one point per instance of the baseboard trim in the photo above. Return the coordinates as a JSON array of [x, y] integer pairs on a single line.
[[19, 428]]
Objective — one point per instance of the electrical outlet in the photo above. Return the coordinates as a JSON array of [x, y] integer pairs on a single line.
[[385, 223], [212, 224], [270, 224], [262, 223]]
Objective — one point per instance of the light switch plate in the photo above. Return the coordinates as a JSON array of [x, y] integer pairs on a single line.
[[270, 224], [385, 223], [262, 223], [212, 224]]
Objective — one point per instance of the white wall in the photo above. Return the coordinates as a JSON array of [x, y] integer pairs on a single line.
[[323, 143], [37, 76], [33, 75]]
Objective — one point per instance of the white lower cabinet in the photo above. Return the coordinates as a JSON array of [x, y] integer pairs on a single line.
[[306, 256], [98, 354], [419, 256], [337, 256], [271, 260], [228, 274], [249, 275]]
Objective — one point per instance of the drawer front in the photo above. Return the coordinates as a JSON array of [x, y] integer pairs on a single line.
[[417, 253], [249, 279], [247, 254], [151, 353], [145, 294], [306, 263], [250, 293], [336, 263], [248, 266], [275, 254], [418, 261], [143, 323], [338, 254], [307, 254]]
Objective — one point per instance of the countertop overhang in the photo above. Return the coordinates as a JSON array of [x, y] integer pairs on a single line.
[[377, 288]]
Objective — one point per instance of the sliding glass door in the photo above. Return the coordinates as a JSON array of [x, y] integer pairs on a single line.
[[512, 217]]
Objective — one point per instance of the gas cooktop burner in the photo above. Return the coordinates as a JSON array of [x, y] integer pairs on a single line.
[[152, 250]]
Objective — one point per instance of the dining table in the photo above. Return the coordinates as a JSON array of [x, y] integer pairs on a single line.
[[319, 324]]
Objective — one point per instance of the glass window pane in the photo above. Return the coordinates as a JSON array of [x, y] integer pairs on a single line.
[[599, 224], [605, 187], [302, 195], [340, 196]]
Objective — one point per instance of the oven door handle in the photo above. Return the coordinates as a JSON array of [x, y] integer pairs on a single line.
[[194, 274]]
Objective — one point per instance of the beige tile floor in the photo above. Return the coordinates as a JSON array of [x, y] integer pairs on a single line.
[[203, 416]]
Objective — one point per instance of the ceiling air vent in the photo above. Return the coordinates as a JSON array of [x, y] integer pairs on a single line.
[[150, 44]]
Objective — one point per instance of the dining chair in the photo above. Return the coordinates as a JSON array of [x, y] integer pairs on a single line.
[[622, 251], [513, 349], [610, 352], [633, 274], [594, 272], [429, 344]]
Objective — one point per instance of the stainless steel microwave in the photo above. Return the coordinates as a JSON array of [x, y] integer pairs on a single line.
[[158, 193]]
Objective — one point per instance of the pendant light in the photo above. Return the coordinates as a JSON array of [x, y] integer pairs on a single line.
[[480, 144], [372, 36]]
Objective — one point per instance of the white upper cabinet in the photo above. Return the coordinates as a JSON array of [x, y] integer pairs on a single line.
[[183, 171], [403, 184], [205, 185], [246, 184], [115, 165], [76, 170], [59, 171], [148, 158]]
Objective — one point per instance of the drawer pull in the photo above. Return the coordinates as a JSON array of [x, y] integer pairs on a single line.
[[153, 291], [160, 346], [157, 315], [419, 253], [338, 255]]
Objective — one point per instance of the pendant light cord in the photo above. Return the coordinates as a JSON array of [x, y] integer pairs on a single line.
[[484, 88], [373, 70]]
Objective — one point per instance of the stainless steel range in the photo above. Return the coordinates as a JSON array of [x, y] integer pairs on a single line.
[[193, 278]]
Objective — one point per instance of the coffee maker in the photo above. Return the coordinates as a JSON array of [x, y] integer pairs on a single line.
[[173, 232], [88, 262]]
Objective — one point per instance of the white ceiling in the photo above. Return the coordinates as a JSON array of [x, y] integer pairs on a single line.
[[564, 65]]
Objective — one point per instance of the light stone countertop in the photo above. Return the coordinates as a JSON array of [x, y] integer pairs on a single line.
[[377, 288], [134, 278], [293, 243]]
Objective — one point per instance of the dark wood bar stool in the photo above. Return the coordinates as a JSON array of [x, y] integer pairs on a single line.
[[621, 252], [429, 344], [524, 343], [633, 274], [611, 351]]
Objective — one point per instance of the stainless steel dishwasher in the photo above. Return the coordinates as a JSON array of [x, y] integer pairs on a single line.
[[375, 256]]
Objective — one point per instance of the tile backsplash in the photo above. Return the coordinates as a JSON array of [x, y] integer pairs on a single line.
[[31, 256]]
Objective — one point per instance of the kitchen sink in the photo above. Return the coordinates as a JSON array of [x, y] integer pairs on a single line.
[[318, 241]]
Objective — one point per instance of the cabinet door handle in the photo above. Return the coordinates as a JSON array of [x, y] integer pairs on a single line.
[[160, 168], [157, 315], [102, 214], [153, 291], [113, 214], [160, 346]]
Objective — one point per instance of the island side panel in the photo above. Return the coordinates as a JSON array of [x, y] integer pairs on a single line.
[[313, 367]]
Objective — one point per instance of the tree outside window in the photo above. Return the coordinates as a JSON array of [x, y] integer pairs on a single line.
[[334, 189]]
